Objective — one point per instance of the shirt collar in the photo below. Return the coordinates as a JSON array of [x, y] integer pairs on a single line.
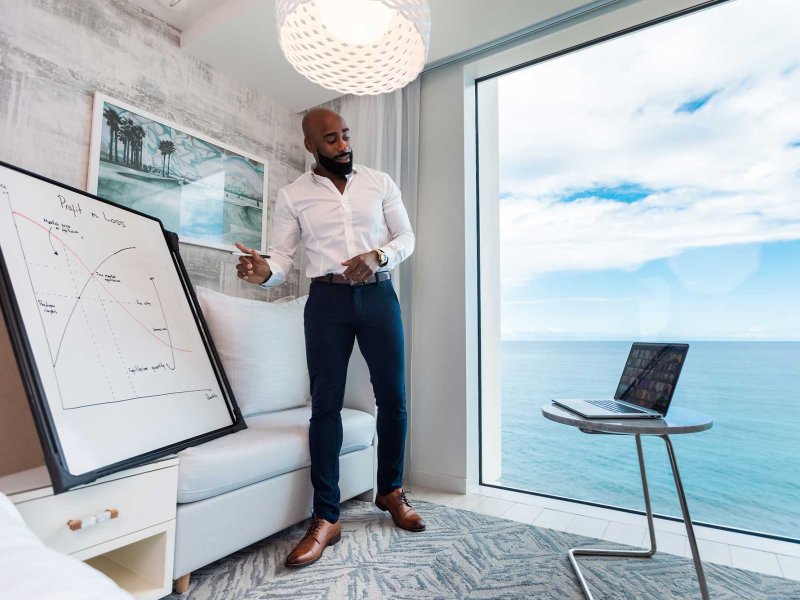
[[316, 177]]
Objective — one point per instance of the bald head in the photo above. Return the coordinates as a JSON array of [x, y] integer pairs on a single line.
[[319, 119]]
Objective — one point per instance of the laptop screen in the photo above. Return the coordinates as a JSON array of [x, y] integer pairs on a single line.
[[651, 374]]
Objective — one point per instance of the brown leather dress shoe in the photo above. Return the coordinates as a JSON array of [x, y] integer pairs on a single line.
[[403, 514], [320, 534]]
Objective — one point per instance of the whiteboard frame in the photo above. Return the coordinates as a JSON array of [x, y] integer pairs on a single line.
[[62, 480], [94, 161]]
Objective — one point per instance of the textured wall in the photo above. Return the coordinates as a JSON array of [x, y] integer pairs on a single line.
[[54, 54]]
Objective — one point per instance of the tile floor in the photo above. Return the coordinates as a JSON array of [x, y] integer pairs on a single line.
[[742, 551]]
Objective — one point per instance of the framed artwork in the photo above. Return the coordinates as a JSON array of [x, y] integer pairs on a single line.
[[205, 191]]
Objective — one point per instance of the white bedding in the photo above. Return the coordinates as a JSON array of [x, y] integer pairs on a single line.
[[30, 570]]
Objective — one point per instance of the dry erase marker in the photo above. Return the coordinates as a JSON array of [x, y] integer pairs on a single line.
[[237, 253]]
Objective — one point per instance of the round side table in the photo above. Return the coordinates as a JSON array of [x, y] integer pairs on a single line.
[[677, 421]]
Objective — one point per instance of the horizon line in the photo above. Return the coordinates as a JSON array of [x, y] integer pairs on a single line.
[[657, 341]]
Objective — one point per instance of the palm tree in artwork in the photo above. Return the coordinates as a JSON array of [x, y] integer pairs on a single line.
[[166, 147], [132, 135], [113, 121], [138, 135], [170, 152], [162, 147], [125, 134]]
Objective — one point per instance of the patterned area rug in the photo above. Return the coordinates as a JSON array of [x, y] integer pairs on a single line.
[[462, 555]]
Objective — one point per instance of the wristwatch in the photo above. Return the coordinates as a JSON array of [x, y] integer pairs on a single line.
[[383, 258]]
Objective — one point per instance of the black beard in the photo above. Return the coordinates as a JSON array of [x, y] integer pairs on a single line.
[[337, 168]]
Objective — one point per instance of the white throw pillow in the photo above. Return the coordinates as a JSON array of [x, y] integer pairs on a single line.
[[262, 348]]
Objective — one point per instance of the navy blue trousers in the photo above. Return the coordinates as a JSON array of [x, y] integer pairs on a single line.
[[335, 315]]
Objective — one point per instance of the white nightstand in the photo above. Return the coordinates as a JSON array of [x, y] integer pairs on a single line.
[[136, 548]]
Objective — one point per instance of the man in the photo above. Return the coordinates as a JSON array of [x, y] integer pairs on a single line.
[[354, 229]]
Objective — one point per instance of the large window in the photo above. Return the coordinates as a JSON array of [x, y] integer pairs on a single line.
[[647, 188]]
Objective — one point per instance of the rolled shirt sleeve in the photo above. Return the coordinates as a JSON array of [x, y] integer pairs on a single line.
[[285, 236], [402, 243]]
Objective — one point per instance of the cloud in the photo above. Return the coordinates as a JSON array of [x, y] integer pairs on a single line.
[[540, 236], [677, 137]]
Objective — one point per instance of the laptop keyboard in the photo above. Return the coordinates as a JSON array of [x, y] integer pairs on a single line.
[[615, 407]]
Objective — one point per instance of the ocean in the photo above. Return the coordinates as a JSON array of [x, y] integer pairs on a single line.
[[744, 472]]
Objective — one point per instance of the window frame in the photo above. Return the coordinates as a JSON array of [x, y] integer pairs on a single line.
[[512, 60]]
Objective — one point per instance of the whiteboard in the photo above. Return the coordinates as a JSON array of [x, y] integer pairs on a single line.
[[107, 323]]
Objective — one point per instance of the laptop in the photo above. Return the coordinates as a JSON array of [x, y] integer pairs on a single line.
[[645, 388]]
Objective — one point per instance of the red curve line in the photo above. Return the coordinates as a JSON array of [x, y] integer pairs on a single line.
[[100, 281]]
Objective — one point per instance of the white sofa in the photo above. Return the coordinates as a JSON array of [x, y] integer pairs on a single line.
[[241, 488]]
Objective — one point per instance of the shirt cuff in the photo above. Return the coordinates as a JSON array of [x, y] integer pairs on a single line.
[[391, 255], [276, 278]]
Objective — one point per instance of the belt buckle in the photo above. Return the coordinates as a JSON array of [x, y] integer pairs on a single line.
[[357, 283]]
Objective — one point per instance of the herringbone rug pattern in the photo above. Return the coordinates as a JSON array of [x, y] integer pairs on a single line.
[[462, 555]]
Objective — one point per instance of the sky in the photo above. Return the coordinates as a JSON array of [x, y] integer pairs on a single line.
[[650, 185]]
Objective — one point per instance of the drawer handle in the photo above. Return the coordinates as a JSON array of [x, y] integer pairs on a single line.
[[86, 522]]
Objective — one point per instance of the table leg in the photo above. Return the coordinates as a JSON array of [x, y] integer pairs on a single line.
[[624, 553], [698, 565]]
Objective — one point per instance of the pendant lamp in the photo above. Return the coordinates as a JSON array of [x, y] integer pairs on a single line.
[[355, 46]]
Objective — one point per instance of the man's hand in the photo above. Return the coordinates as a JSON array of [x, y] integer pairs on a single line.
[[361, 267], [253, 268]]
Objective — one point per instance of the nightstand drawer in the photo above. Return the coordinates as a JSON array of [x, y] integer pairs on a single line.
[[141, 501]]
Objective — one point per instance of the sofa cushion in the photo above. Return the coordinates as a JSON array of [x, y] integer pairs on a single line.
[[273, 444], [262, 348]]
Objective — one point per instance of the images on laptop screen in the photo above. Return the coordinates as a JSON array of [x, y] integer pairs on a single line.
[[650, 375]]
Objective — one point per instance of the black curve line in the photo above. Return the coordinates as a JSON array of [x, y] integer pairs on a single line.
[[120, 302], [50, 239], [7, 195], [166, 326], [80, 296], [139, 398]]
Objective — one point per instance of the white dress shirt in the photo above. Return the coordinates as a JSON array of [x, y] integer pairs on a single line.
[[334, 227]]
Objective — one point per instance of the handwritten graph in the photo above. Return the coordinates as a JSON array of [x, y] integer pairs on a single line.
[[97, 329], [115, 341]]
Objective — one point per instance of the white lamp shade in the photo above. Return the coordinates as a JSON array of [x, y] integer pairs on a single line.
[[355, 46]]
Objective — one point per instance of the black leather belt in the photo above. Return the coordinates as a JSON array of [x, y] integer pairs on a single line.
[[332, 278]]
